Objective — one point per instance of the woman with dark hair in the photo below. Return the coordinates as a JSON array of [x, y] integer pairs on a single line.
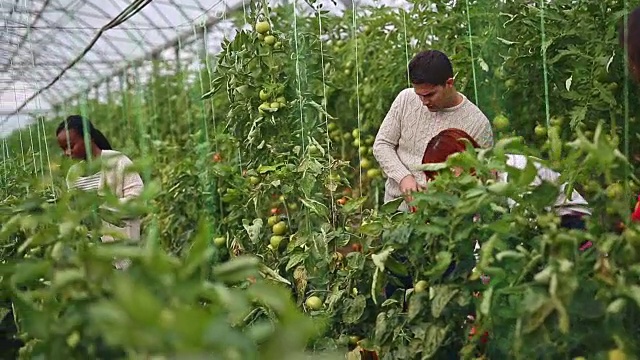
[[70, 135], [114, 175]]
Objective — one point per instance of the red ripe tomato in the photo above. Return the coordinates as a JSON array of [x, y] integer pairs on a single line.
[[274, 211], [483, 339], [357, 247], [217, 157], [342, 201]]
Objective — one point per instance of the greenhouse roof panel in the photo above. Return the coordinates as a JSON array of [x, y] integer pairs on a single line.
[[40, 38]]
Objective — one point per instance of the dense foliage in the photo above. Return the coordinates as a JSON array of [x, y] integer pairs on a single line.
[[264, 228]]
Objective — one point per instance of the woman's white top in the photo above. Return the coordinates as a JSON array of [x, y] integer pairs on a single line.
[[563, 206], [115, 178]]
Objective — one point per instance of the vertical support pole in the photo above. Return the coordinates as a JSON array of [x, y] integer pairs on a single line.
[[176, 50]]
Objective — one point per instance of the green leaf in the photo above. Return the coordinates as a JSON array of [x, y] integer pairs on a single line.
[[524, 177], [355, 261], [260, 331], [555, 151], [473, 193], [392, 206], [380, 258], [505, 41], [443, 295], [372, 228], [3, 312], [431, 167], [353, 309], [431, 229], [483, 64], [353, 205], [443, 260], [417, 303], [538, 317], [500, 188], [270, 273], [433, 339], [396, 267], [31, 320], [485, 305], [543, 195], [200, 251], [105, 315], [296, 259], [501, 226], [62, 278], [142, 305], [234, 300], [505, 144], [275, 298], [253, 230], [616, 306], [237, 269], [533, 301], [29, 271], [509, 254], [633, 292], [578, 114], [316, 207], [115, 251], [383, 331], [398, 235], [263, 169]]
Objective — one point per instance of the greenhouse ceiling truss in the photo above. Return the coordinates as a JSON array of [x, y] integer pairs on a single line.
[[36, 48]]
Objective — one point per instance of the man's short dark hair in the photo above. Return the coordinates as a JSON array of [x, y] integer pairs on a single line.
[[631, 35], [430, 67]]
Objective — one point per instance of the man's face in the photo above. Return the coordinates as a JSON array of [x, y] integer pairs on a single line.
[[434, 97]]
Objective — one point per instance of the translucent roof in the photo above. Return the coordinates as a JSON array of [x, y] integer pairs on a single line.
[[40, 38]]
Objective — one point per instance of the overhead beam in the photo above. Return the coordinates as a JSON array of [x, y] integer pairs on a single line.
[[24, 112], [60, 64]]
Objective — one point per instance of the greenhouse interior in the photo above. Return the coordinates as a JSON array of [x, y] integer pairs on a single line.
[[334, 179]]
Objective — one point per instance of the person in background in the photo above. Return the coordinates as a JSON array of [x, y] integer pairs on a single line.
[[572, 211], [442, 145], [630, 37], [114, 175], [416, 115]]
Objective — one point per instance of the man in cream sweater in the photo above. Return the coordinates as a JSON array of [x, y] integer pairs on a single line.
[[419, 113]]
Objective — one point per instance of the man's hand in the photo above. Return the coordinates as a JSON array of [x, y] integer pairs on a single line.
[[408, 184]]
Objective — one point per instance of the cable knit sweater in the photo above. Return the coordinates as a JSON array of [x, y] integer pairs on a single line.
[[407, 129]]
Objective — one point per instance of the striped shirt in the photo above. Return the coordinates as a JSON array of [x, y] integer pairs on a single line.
[[116, 177], [407, 129], [576, 204], [88, 183]]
